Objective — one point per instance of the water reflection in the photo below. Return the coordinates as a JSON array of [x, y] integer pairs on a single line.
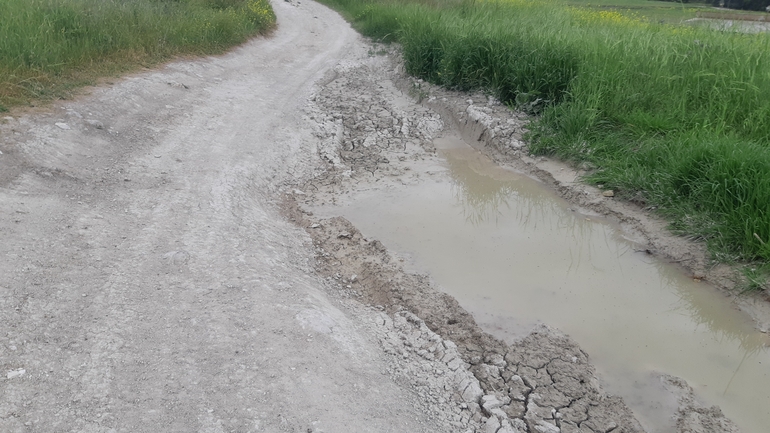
[[481, 197], [695, 301], [488, 193]]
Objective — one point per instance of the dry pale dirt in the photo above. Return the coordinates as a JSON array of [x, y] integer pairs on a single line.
[[161, 270]]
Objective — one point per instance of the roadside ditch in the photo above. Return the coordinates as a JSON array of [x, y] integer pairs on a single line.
[[377, 130]]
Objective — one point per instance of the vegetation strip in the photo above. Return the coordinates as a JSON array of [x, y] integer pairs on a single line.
[[675, 118], [48, 47]]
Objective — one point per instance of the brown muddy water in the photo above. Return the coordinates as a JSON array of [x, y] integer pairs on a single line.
[[514, 255]]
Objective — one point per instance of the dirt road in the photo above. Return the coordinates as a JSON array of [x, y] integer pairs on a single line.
[[146, 281], [150, 280]]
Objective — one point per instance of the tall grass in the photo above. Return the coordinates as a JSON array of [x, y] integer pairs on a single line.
[[673, 117], [48, 46]]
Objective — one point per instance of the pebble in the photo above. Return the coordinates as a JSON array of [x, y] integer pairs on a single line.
[[609, 193], [15, 373], [547, 427], [63, 126], [508, 429], [454, 364]]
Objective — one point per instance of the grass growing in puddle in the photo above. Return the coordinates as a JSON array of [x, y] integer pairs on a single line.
[[673, 117]]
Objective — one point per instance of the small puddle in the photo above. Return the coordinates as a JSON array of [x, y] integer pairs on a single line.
[[514, 255]]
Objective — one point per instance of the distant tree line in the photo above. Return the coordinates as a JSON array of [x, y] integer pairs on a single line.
[[747, 5]]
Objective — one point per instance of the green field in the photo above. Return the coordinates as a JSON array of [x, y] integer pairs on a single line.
[[673, 117], [48, 47]]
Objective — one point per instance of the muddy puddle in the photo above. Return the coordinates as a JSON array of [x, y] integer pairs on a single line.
[[514, 255]]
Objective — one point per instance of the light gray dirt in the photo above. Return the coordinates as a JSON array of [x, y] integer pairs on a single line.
[[150, 281]]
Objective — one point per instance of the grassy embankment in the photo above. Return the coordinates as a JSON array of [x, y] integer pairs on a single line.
[[49, 47], [675, 118]]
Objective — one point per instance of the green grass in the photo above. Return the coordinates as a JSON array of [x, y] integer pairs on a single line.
[[48, 47], [675, 118]]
